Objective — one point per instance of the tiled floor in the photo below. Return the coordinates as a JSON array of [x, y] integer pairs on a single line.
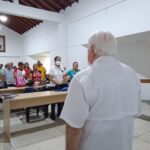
[[49, 135]]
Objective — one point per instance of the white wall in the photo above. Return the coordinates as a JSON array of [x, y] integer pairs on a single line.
[[136, 56], [14, 50], [46, 37], [45, 60], [40, 38], [121, 17]]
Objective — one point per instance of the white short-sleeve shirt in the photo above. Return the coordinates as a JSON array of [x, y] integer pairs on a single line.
[[102, 100], [57, 73]]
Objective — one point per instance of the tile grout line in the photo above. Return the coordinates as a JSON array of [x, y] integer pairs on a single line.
[[143, 140], [142, 134], [60, 130], [35, 142]]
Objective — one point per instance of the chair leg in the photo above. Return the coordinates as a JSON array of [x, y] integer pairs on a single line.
[[27, 114], [37, 111], [45, 110], [60, 107], [53, 117]]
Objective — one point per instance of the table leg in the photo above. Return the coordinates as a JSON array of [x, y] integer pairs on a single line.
[[6, 122]]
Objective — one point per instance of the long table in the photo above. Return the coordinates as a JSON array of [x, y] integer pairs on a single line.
[[43, 98], [14, 90], [28, 100], [145, 90]]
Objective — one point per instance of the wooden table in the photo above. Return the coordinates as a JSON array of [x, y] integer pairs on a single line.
[[145, 90], [28, 100], [14, 90]]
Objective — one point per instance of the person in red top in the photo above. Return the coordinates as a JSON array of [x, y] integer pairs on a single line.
[[27, 70], [36, 75]]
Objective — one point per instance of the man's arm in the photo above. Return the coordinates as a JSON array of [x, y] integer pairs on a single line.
[[15, 74], [72, 138], [52, 79]]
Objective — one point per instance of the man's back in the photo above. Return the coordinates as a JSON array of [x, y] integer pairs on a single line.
[[111, 100], [102, 100], [107, 135], [111, 91]]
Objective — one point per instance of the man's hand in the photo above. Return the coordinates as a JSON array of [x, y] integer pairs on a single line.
[[59, 82]]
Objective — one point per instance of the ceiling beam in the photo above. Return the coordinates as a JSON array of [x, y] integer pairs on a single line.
[[34, 21], [24, 3], [68, 2], [62, 6], [55, 4], [31, 3], [26, 21], [15, 26], [22, 22], [48, 7], [30, 12], [29, 22]]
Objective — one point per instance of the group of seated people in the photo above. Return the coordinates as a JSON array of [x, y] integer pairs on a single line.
[[23, 75]]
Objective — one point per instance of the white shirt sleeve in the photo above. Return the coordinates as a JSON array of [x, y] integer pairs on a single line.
[[76, 109], [51, 71]]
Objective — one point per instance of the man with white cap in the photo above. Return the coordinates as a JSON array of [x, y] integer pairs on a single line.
[[102, 100]]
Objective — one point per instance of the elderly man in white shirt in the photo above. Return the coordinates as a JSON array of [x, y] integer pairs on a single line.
[[102, 100]]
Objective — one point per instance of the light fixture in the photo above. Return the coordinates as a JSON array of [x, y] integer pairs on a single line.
[[3, 18]]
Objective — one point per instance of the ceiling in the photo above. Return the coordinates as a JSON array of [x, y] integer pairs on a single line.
[[21, 24]]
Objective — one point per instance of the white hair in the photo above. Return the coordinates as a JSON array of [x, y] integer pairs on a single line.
[[104, 43]]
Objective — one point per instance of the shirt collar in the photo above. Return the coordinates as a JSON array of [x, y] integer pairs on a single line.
[[99, 59], [58, 68]]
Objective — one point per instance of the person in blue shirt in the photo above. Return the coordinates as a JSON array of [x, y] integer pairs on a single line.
[[71, 73]]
